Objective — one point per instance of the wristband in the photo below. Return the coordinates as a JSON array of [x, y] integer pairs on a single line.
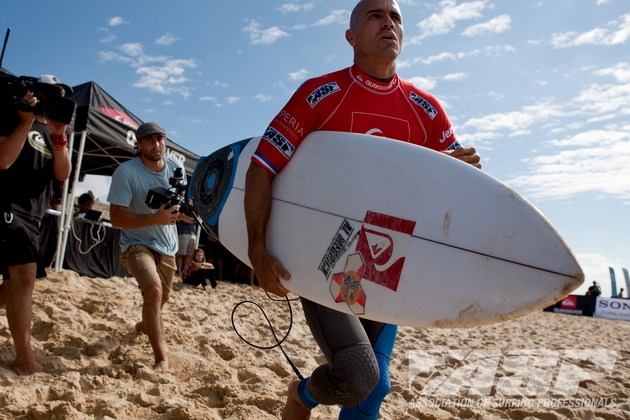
[[59, 141]]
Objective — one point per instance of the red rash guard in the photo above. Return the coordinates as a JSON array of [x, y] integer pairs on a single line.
[[351, 101]]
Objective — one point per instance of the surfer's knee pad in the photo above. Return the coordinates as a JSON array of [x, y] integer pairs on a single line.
[[355, 373], [369, 407]]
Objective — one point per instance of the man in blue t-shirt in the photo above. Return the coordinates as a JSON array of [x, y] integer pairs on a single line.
[[149, 237]]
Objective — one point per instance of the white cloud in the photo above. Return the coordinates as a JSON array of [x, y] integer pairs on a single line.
[[114, 56], [115, 21], [487, 51], [222, 84], [159, 74], [519, 133], [267, 36], [494, 26], [231, 100], [263, 98], [167, 78], [600, 2], [594, 104], [597, 36], [603, 99], [166, 39], [444, 21], [599, 166], [455, 77], [590, 161], [133, 49], [108, 39], [621, 72], [296, 7], [425, 83], [207, 98], [497, 96], [298, 75], [517, 120], [335, 16]]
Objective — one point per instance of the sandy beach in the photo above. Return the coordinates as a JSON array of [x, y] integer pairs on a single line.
[[95, 366]]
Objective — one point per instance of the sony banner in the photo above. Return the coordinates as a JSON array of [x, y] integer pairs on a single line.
[[612, 308]]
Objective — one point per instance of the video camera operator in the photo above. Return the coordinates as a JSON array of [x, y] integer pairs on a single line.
[[149, 235], [33, 152]]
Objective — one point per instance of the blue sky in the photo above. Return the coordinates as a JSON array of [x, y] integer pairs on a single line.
[[540, 88]]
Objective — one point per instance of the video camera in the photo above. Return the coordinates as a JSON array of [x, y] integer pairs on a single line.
[[176, 195], [51, 103]]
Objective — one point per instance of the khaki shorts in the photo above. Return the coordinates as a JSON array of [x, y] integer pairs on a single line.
[[187, 244], [149, 266]]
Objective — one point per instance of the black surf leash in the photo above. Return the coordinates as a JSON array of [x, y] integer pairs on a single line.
[[273, 332]]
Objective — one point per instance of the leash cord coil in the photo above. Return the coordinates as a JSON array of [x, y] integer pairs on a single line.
[[273, 331]]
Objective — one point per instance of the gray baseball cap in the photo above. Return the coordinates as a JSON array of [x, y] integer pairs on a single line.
[[53, 80], [148, 129]]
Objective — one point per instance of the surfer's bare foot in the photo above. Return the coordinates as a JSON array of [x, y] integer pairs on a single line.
[[294, 409], [161, 367], [25, 369], [140, 328]]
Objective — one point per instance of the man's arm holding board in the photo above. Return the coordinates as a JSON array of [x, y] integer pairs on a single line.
[[257, 209]]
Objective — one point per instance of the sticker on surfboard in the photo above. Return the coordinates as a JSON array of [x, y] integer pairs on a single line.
[[379, 257]]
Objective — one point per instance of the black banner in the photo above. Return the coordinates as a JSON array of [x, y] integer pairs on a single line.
[[96, 252], [574, 305]]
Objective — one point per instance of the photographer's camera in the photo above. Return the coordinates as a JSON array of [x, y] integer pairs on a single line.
[[174, 196], [51, 103]]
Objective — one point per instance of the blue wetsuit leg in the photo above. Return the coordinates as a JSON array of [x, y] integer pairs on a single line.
[[368, 408], [351, 372]]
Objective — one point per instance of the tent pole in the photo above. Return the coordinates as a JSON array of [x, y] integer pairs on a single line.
[[64, 200], [70, 206]]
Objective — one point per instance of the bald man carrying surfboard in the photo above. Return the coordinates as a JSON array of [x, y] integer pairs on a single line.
[[366, 98]]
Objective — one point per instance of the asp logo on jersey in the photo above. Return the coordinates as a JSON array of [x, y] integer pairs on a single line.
[[278, 140], [321, 92], [424, 104]]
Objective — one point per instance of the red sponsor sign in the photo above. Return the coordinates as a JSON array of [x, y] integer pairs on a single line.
[[383, 244], [119, 116], [569, 302]]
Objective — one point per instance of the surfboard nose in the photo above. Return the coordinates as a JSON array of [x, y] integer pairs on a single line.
[[211, 182]]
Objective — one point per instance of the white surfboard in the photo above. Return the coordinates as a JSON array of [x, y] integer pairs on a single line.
[[393, 232]]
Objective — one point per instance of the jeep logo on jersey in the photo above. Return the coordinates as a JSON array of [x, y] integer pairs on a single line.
[[424, 104], [383, 244], [321, 92], [279, 141]]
